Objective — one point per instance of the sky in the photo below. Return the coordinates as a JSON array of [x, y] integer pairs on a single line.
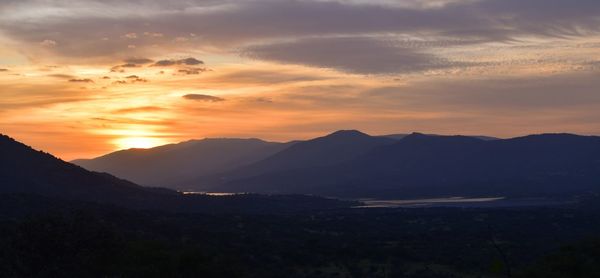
[[83, 78]]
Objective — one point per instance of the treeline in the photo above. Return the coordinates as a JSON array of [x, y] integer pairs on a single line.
[[97, 241]]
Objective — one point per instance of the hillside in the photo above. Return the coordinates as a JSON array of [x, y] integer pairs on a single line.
[[170, 165], [331, 149], [425, 166], [25, 172]]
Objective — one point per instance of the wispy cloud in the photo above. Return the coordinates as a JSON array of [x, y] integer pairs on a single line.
[[138, 61], [81, 80], [73, 32], [172, 62], [354, 55], [140, 109], [201, 97], [63, 76]]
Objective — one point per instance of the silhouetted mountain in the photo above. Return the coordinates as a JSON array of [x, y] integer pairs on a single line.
[[25, 171], [332, 149], [327, 150], [402, 135], [485, 138], [172, 164], [424, 166], [395, 136]]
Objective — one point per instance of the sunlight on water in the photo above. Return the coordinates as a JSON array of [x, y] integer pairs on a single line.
[[210, 193], [373, 203]]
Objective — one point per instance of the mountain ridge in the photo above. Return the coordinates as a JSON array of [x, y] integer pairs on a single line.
[[350, 163], [420, 165], [333, 148], [174, 163], [27, 174]]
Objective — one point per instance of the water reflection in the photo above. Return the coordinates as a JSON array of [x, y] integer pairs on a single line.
[[452, 201], [211, 193]]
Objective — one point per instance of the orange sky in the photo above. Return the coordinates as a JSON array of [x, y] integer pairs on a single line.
[[83, 78]]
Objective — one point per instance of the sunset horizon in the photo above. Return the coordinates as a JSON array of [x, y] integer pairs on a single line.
[[300, 138], [85, 78]]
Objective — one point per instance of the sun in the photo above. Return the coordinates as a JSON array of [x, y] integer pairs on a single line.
[[138, 142]]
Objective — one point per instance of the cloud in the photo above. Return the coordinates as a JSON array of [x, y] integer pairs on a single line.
[[81, 80], [48, 43], [353, 55], [191, 71], [140, 109], [165, 63], [191, 61], [63, 76], [128, 121], [534, 96], [138, 61], [131, 35], [263, 100], [139, 80], [155, 35], [3, 70], [134, 79], [117, 69], [223, 25], [19, 95], [129, 65], [187, 61], [261, 77], [200, 97]]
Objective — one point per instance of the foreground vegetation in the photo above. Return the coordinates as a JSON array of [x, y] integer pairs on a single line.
[[85, 240]]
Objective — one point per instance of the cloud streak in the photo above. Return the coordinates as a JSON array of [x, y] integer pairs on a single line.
[[203, 98], [225, 24], [187, 61], [353, 55], [81, 80]]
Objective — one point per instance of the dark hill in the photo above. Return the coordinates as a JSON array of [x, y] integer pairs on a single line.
[[434, 166], [328, 150], [25, 170], [170, 165]]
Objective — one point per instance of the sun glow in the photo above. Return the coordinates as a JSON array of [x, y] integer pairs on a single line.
[[138, 142]]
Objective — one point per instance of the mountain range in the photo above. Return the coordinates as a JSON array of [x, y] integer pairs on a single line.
[[27, 174], [421, 166], [172, 164], [352, 164]]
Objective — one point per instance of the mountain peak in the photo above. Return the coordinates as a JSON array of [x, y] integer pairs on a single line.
[[417, 135], [420, 137], [347, 133]]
